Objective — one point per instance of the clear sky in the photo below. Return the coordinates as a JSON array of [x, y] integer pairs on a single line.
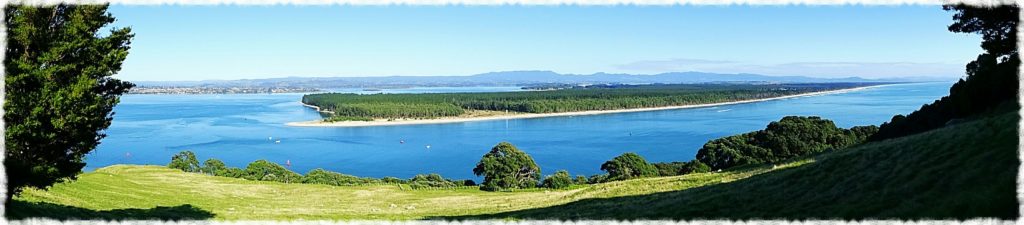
[[246, 42]]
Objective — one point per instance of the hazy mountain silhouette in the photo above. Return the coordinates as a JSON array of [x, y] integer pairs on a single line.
[[514, 78]]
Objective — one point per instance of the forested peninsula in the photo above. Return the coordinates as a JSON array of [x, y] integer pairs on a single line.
[[346, 109]]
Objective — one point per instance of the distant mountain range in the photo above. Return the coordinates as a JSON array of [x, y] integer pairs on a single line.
[[510, 78]]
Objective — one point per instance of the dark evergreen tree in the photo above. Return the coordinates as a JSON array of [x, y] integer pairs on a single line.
[[59, 91], [559, 180], [185, 161], [505, 167], [628, 166]]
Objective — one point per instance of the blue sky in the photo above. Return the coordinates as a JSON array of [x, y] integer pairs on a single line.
[[245, 42]]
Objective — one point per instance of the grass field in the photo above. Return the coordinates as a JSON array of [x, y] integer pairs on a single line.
[[961, 171]]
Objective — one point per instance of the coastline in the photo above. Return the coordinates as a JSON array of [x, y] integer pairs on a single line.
[[381, 122]]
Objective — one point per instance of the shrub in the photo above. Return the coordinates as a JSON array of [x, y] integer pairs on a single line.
[[392, 180], [321, 176], [790, 137], [213, 167], [599, 178], [231, 172], [185, 161], [671, 168], [505, 166], [580, 179], [260, 169], [697, 167], [628, 166], [430, 180], [559, 180]]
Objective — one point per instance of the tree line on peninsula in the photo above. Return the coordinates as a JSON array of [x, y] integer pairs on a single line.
[[341, 107]]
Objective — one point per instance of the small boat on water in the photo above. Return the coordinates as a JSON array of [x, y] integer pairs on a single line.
[[428, 146], [277, 141]]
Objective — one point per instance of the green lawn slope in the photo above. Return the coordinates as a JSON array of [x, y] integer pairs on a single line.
[[961, 171]]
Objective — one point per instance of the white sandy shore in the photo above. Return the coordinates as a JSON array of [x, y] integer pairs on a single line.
[[319, 123]]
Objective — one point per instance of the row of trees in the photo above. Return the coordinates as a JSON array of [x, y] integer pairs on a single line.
[[264, 170], [506, 167], [432, 105]]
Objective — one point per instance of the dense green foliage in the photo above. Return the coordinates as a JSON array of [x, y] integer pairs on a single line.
[[268, 171], [264, 170], [580, 180], [559, 180], [185, 161], [597, 178], [681, 168], [628, 166], [57, 76], [213, 167], [361, 107], [321, 176], [790, 137], [431, 180], [347, 118], [991, 81], [505, 166]]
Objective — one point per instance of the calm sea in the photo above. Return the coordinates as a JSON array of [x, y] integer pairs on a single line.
[[241, 128]]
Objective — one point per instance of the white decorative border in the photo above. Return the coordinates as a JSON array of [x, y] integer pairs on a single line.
[[982, 221]]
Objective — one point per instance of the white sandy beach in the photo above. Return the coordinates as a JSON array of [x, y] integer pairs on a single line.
[[384, 122]]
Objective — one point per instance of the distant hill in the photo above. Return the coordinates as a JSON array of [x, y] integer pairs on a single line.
[[510, 78]]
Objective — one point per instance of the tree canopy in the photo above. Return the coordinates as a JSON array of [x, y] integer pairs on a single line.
[[628, 166], [505, 166], [57, 76], [559, 180], [790, 137], [186, 161]]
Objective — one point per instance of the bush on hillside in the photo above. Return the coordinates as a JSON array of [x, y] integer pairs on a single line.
[[505, 167], [262, 169], [213, 167], [185, 161], [580, 180], [681, 168], [790, 137], [321, 176], [430, 180], [628, 166], [559, 180], [392, 180], [597, 178]]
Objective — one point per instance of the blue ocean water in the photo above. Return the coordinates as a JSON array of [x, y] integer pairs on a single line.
[[241, 128]]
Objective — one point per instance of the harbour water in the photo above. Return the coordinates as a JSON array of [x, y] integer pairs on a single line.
[[241, 128]]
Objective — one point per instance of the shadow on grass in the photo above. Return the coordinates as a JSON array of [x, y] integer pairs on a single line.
[[17, 209]]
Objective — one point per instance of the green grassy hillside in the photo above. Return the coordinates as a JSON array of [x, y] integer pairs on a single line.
[[964, 170], [138, 192]]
